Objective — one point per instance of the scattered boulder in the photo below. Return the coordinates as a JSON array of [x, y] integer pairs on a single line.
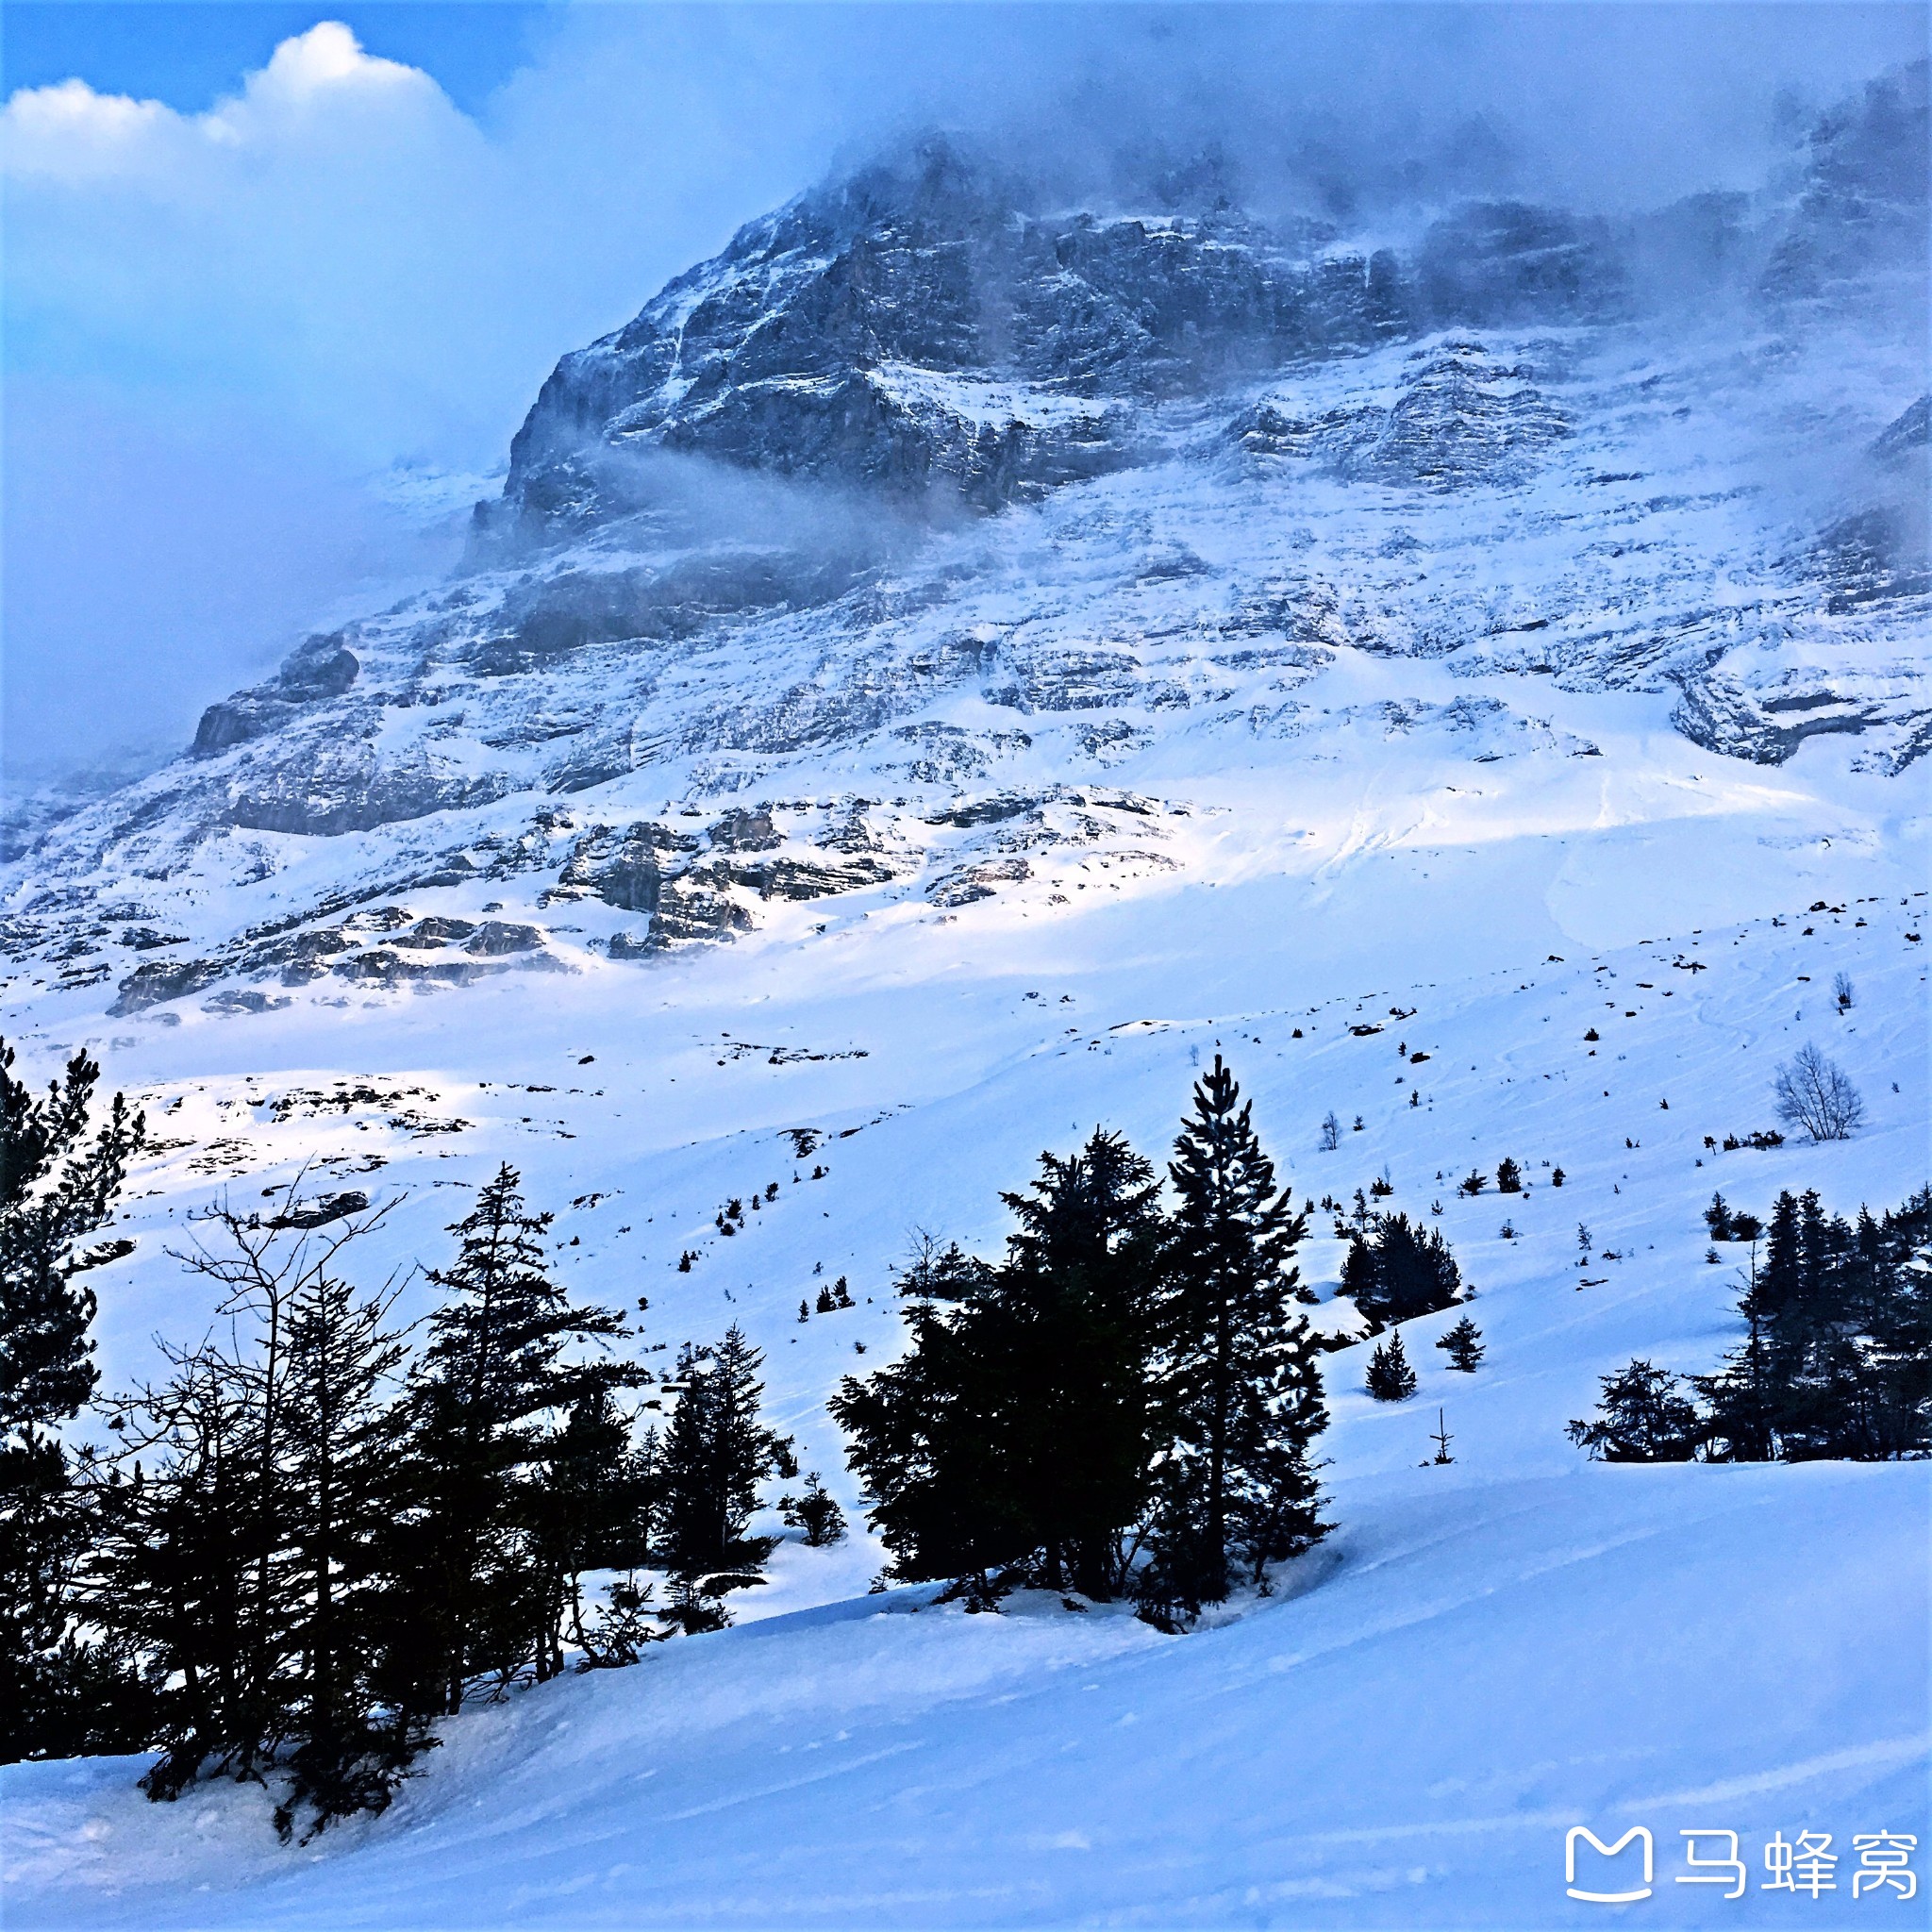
[[156, 980], [745, 832], [497, 937], [322, 1210]]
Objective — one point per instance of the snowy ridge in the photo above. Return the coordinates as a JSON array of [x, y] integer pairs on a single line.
[[1140, 631]]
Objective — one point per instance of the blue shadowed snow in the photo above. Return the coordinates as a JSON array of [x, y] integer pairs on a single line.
[[1476, 1666]]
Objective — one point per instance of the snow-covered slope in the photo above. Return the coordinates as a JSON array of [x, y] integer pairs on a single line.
[[1404, 1746], [1484, 1654], [1243, 604], [870, 740]]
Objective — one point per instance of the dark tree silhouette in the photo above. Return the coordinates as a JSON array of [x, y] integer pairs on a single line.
[[61, 1177]]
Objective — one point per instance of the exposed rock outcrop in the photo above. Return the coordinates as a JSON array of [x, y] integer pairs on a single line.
[[1462, 416], [320, 669]]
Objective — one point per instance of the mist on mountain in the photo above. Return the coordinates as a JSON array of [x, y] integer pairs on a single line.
[[245, 270]]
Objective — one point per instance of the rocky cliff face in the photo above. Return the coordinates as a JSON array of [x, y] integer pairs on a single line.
[[916, 331], [1858, 229], [919, 331], [956, 530]]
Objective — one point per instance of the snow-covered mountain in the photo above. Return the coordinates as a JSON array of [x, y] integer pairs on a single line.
[[919, 535], [950, 664]]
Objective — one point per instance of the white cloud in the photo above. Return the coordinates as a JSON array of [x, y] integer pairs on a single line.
[[327, 59], [337, 247], [313, 245], [68, 133]]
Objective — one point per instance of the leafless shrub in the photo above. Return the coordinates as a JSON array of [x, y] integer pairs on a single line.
[[1814, 1093]]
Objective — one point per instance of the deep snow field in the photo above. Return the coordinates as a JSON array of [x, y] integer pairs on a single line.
[[1481, 1656]]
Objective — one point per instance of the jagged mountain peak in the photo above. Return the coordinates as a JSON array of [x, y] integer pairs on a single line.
[[791, 351], [788, 351], [919, 326]]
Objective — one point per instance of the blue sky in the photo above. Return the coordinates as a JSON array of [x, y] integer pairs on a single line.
[[259, 255]]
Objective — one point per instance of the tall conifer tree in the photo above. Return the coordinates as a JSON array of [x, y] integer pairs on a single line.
[[928, 1432], [1076, 1306], [238, 1557], [344, 1430], [1240, 1391], [58, 1693], [502, 1370], [717, 1452]]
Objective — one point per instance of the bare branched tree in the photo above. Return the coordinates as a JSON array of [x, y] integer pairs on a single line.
[[248, 1486], [1814, 1093]]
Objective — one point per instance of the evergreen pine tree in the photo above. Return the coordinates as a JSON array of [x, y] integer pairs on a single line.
[[1359, 1281], [1239, 1391], [343, 1432], [1464, 1343], [1016, 1430], [502, 1372], [1390, 1376], [816, 1512], [1404, 1269], [621, 1627], [1837, 1353], [176, 1573], [1780, 1279], [1641, 1418], [1071, 1319], [60, 1693], [595, 1507], [1900, 1355], [1793, 1390], [926, 1434], [717, 1452], [238, 1557]]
